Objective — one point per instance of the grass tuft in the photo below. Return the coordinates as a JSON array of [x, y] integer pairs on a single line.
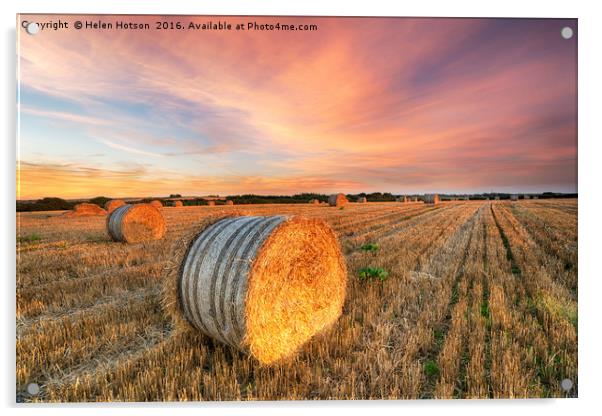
[[30, 238], [370, 273], [431, 369]]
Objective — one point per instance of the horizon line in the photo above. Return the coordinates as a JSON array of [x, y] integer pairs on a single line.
[[301, 193]]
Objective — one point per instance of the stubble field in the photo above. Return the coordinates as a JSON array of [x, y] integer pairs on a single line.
[[480, 302]]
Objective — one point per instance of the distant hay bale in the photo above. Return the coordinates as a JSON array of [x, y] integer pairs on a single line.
[[337, 200], [178, 204], [229, 202], [432, 199], [362, 200], [211, 203], [85, 210], [263, 285], [314, 202], [136, 223], [113, 204], [156, 203]]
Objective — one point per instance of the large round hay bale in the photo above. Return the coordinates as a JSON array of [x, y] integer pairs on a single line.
[[432, 199], [362, 200], [314, 201], [263, 285], [85, 210], [178, 204], [228, 202], [211, 203], [337, 200], [113, 204], [136, 223], [156, 203]]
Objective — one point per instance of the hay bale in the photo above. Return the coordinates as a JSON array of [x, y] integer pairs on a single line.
[[337, 200], [136, 223], [432, 199], [178, 204], [315, 202], [228, 202], [113, 204], [211, 203], [263, 285], [85, 210], [156, 203], [362, 200]]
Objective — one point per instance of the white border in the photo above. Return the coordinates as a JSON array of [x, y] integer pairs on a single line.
[[590, 134]]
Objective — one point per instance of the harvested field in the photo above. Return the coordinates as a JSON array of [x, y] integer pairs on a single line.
[[480, 302]]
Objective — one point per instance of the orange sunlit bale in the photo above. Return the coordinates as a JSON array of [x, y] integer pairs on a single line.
[[113, 204], [156, 203], [337, 200], [136, 223], [432, 199], [85, 210], [288, 283]]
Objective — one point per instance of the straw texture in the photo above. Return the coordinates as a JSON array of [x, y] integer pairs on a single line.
[[136, 223], [263, 285]]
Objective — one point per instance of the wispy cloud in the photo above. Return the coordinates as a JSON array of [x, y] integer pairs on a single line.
[[128, 149], [63, 116]]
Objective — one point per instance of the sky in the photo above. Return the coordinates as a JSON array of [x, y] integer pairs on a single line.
[[401, 105]]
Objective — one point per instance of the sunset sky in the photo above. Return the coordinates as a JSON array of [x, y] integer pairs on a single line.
[[401, 105]]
